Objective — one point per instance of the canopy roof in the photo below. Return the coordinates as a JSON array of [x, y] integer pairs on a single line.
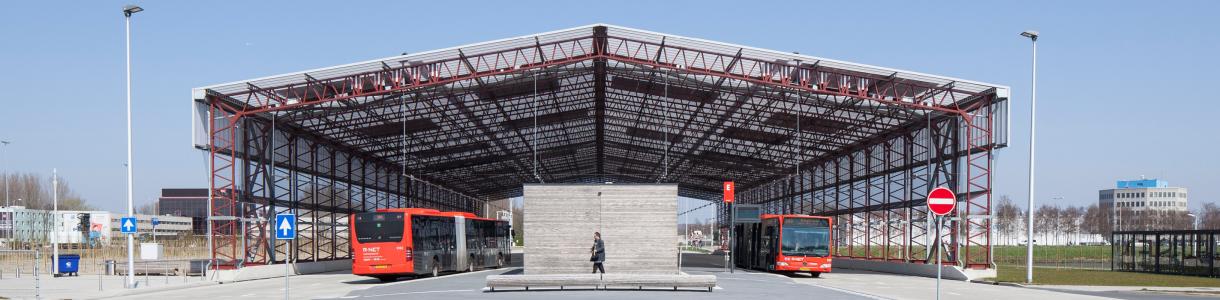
[[601, 103]]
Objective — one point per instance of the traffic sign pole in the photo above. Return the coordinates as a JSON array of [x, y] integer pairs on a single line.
[[940, 202], [938, 254], [286, 229], [729, 195]]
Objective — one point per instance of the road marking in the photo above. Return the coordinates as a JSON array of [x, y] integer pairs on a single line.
[[866, 295], [412, 293], [439, 277]]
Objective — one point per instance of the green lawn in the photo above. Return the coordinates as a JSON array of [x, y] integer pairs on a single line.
[[1008, 273]]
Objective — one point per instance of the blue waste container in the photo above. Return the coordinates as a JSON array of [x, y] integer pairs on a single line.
[[69, 264]]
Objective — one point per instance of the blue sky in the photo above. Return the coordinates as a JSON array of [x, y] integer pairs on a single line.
[[1125, 88]]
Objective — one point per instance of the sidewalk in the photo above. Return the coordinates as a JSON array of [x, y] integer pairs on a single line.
[[903, 287], [1091, 288], [89, 286]]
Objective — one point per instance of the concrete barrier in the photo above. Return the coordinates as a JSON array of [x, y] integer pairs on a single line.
[[916, 269]]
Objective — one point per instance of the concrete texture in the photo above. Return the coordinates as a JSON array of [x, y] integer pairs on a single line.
[[925, 270], [637, 222]]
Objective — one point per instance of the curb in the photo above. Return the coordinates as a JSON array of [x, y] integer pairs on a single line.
[[1012, 284]]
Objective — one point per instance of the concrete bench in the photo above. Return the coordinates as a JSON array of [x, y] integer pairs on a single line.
[[597, 281]]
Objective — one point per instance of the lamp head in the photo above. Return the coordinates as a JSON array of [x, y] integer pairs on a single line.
[[131, 9], [1030, 34]]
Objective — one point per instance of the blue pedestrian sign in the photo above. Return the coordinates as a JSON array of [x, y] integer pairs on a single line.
[[285, 226], [127, 225]]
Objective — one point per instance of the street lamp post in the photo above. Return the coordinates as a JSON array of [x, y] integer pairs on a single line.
[[55, 220], [1033, 109], [4, 160], [131, 278]]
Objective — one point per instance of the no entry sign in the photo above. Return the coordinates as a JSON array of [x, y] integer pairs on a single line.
[[941, 201], [728, 192]]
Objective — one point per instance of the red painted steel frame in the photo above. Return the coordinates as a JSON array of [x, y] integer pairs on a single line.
[[860, 197]]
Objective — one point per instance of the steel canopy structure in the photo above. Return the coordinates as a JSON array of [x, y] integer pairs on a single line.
[[454, 128]]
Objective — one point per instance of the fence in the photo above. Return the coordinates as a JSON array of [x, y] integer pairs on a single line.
[[1092, 257], [1177, 252], [115, 249], [27, 273]]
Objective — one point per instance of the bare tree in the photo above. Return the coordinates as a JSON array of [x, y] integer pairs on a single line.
[[1008, 218], [1045, 221], [1209, 216], [1069, 222], [34, 191], [149, 208]]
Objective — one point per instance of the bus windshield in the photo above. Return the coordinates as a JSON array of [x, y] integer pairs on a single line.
[[805, 237], [377, 227]]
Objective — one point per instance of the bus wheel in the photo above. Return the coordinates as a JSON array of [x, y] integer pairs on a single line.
[[815, 274]]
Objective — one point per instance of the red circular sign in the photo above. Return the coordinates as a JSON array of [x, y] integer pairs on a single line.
[[941, 201]]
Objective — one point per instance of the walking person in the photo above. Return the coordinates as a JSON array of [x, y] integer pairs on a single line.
[[598, 252]]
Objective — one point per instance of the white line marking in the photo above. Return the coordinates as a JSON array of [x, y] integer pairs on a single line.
[[940, 200], [442, 276], [411, 293], [870, 296]]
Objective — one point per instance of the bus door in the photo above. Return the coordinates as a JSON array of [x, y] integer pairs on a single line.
[[770, 243], [459, 243]]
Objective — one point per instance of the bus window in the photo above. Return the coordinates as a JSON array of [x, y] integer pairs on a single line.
[[805, 237], [379, 227]]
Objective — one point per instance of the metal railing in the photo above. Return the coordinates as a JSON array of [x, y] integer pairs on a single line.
[[166, 269], [33, 270]]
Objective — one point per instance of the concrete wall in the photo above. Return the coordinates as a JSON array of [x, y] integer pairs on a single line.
[[637, 222]]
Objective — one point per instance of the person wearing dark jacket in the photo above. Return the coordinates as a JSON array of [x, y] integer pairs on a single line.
[[599, 253]]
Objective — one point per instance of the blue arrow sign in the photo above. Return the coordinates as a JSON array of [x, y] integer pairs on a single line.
[[285, 226], [127, 225]]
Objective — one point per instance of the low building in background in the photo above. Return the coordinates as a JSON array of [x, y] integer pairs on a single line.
[[1145, 204], [24, 226], [21, 227], [191, 203], [167, 226]]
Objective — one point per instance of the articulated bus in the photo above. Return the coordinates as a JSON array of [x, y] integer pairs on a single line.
[[785, 243], [395, 242]]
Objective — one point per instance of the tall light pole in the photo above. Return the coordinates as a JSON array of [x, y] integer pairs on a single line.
[[3, 160], [55, 220], [131, 243], [1033, 109]]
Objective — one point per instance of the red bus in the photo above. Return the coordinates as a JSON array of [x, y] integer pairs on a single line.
[[395, 242], [785, 243]]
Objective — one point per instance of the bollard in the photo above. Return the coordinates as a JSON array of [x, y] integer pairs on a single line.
[[37, 280]]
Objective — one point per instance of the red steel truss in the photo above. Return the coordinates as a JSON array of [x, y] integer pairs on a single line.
[[455, 128]]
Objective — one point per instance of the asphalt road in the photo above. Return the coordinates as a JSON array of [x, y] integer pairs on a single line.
[[742, 284], [739, 285]]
